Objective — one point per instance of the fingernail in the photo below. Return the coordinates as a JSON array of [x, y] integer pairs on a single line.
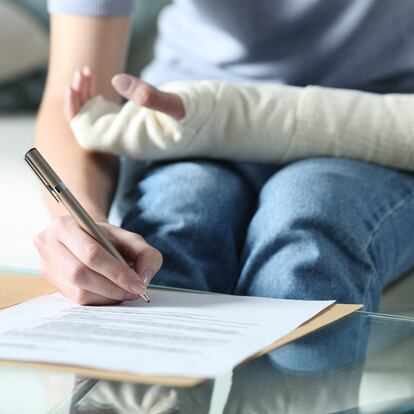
[[122, 82], [147, 276], [137, 287], [87, 71]]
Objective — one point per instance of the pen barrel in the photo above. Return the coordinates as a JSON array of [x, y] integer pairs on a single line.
[[61, 193], [87, 224]]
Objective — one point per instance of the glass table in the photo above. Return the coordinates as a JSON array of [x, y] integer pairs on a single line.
[[362, 364]]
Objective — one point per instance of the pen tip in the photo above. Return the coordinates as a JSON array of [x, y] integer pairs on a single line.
[[145, 297]]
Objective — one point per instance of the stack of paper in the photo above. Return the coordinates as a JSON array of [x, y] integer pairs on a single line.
[[177, 334]]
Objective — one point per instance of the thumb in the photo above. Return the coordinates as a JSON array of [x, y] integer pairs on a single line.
[[143, 94]]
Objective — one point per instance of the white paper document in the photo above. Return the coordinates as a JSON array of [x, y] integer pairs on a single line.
[[178, 333]]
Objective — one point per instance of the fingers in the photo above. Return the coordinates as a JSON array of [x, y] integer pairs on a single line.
[[81, 283], [85, 272], [89, 83], [73, 280], [77, 295], [71, 104], [146, 95], [79, 92], [147, 259], [96, 258]]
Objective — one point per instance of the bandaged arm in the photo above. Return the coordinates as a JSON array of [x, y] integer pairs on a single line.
[[257, 123]]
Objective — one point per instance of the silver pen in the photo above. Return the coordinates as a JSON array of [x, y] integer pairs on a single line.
[[61, 193]]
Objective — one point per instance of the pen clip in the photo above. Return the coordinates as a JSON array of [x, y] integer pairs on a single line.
[[42, 179]]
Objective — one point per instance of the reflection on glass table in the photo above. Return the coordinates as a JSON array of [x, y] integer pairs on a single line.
[[35, 391], [363, 364]]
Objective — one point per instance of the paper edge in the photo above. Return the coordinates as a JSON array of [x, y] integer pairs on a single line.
[[326, 317]]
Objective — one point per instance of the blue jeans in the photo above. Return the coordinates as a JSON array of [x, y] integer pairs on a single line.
[[320, 228]]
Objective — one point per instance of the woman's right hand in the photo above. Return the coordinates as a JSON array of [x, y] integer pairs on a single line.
[[83, 271]]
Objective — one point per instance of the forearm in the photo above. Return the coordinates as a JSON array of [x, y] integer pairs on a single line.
[[77, 41], [91, 177], [258, 123], [280, 123]]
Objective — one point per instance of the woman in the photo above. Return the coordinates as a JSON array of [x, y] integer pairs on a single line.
[[315, 229]]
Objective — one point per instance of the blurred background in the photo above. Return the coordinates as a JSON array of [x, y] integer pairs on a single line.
[[23, 62], [24, 48]]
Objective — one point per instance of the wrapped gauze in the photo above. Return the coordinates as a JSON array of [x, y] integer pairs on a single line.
[[256, 123]]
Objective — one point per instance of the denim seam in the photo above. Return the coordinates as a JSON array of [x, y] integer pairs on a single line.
[[399, 205]]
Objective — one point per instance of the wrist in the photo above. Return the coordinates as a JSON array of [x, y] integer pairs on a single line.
[[96, 214]]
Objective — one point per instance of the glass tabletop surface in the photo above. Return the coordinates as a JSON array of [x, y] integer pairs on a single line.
[[361, 364]]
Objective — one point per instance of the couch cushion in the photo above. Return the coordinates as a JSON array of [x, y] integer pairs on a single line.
[[24, 44]]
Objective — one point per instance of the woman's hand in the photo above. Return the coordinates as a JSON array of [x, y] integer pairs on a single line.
[[85, 272], [141, 93]]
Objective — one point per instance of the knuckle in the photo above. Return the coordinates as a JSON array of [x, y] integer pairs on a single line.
[[158, 259], [144, 94], [38, 239], [141, 238], [92, 254], [138, 238], [77, 274], [122, 278], [44, 243]]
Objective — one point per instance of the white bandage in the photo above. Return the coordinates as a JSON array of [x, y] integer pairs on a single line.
[[258, 123]]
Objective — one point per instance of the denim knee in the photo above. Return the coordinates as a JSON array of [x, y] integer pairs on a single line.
[[196, 213], [306, 239]]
